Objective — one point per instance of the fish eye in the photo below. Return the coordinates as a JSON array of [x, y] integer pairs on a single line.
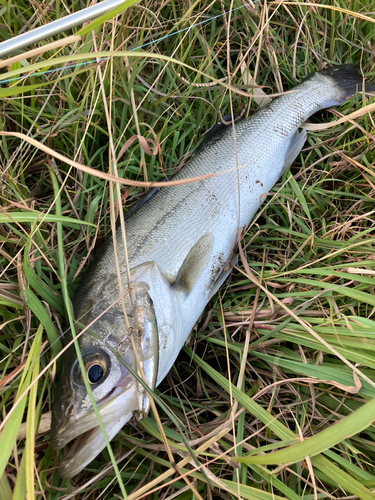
[[95, 371]]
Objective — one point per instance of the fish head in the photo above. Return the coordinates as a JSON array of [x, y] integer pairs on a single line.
[[114, 390]]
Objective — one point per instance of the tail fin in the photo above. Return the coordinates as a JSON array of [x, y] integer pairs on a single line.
[[349, 80]]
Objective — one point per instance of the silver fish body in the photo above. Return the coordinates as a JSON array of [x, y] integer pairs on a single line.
[[180, 243]]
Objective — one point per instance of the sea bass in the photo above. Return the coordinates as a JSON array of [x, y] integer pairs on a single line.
[[180, 245]]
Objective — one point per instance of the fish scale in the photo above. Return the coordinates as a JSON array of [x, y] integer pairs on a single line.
[[179, 244]]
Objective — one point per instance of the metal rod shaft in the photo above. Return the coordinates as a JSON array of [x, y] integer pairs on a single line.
[[58, 26]]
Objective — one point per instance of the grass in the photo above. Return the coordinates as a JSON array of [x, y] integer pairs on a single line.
[[291, 419]]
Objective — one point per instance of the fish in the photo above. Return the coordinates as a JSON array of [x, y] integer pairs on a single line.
[[180, 246]]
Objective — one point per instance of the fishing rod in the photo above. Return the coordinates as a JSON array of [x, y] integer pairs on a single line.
[[58, 26]]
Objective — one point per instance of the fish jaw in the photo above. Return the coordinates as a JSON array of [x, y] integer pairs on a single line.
[[86, 435], [88, 446]]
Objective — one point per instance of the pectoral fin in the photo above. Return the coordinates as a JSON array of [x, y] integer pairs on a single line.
[[194, 264]]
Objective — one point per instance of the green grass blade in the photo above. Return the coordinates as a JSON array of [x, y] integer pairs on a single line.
[[19, 490], [324, 440], [346, 482], [40, 312], [33, 217], [5, 489], [96, 23], [31, 430], [9, 433]]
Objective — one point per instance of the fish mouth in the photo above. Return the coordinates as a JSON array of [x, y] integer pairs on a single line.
[[85, 435], [87, 446]]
